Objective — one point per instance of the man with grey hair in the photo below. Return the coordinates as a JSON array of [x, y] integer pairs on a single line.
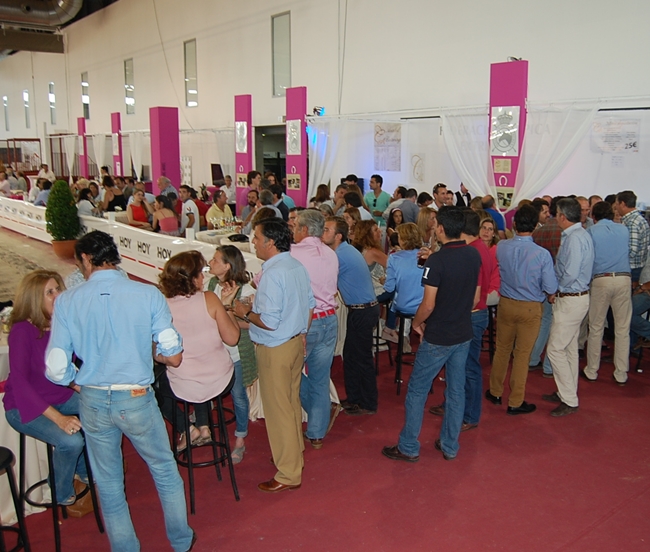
[[266, 200], [165, 186], [322, 264], [573, 268]]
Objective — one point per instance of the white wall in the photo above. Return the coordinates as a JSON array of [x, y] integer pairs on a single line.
[[396, 55]]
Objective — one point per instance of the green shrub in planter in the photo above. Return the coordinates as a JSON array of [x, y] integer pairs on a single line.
[[61, 213]]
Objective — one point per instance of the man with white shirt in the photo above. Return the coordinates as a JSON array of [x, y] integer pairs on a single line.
[[231, 192], [337, 203], [439, 196], [189, 212], [46, 173]]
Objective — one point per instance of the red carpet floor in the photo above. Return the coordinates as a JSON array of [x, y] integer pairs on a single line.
[[528, 482]]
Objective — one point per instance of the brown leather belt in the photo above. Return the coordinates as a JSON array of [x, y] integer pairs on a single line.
[[611, 274], [573, 294], [363, 305]]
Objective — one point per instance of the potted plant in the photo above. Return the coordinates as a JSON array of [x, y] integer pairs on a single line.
[[62, 220]]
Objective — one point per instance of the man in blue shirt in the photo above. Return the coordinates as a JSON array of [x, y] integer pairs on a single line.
[[43, 196], [527, 277], [573, 268], [489, 206], [355, 285], [450, 294], [610, 288], [279, 320], [109, 323]]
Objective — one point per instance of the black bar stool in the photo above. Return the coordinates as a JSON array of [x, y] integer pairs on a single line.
[[378, 341], [6, 460], [221, 451], [53, 505], [491, 330], [400, 348]]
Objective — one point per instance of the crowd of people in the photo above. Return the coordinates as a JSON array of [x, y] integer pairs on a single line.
[[566, 273]]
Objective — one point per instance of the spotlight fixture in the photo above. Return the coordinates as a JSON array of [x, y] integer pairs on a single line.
[[319, 111]]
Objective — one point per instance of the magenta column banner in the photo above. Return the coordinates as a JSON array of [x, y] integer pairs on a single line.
[[165, 144], [508, 93], [83, 150], [297, 145], [243, 145], [116, 135]]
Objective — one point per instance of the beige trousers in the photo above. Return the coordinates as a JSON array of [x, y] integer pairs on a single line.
[[562, 348], [615, 292], [280, 372]]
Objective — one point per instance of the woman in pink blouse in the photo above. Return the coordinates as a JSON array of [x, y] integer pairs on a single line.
[[205, 326]]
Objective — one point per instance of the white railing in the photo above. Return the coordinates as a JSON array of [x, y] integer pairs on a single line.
[[143, 253]]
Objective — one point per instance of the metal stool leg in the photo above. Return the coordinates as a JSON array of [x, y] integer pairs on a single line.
[[226, 444], [399, 355], [93, 491]]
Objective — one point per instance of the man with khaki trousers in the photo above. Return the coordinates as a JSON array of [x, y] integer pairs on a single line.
[[279, 321], [610, 287], [573, 268], [527, 278]]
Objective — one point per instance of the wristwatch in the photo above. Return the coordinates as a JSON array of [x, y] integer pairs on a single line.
[[246, 319]]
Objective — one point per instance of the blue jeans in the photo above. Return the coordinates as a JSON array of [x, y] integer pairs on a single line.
[[542, 338], [315, 386], [240, 402], [639, 325], [473, 370], [67, 458], [429, 360], [106, 415]]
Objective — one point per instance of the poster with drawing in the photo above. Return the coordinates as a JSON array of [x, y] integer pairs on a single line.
[[388, 147], [613, 135]]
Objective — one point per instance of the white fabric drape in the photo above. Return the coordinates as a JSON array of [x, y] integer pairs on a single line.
[[552, 135], [466, 138], [136, 141], [99, 150], [70, 144], [323, 138], [226, 149]]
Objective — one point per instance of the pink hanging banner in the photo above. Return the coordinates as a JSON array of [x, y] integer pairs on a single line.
[[508, 94], [165, 145], [243, 145], [83, 149], [297, 145], [116, 136]]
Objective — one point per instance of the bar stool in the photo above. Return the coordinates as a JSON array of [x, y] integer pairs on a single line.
[[6, 460], [400, 347], [378, 341], [491, 330], [53, 504], [221, 451]]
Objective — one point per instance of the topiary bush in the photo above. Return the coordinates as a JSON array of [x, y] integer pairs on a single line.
[[61, 213]]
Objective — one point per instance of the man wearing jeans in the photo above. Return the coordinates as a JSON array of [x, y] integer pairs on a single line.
[[322, 264], [450, 294], [109, 323]]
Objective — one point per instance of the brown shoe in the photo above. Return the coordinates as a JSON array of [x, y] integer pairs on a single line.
[[274, 486], [467, 427], [553, 397], [356, 410], [84, 503], [316, 443], [563, 410], [438, 410]]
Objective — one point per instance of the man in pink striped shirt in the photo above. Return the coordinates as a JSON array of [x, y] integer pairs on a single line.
[[322, 265]]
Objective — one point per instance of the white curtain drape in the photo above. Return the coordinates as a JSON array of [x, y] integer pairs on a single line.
[[552, 135], [323, 138], [70, 144], [99, 150], [226, 149], [466, 138]]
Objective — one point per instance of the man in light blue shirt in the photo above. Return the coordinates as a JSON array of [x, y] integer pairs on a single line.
[[527, 278], [279, 320], [573, 268], [610, 288], [355, 285], [109, 323]]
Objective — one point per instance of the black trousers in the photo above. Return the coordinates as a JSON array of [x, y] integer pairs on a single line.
[[358, 367]]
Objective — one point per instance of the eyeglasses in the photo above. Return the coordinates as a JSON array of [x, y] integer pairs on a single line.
[[374, 202]]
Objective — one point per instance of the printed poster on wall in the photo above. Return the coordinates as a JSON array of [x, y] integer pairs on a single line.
[[242, 181], [388, 147], [186, 170], [504, 131], [294, 147], [241, 137], [116, 144], [293, 181], [612, 135]]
